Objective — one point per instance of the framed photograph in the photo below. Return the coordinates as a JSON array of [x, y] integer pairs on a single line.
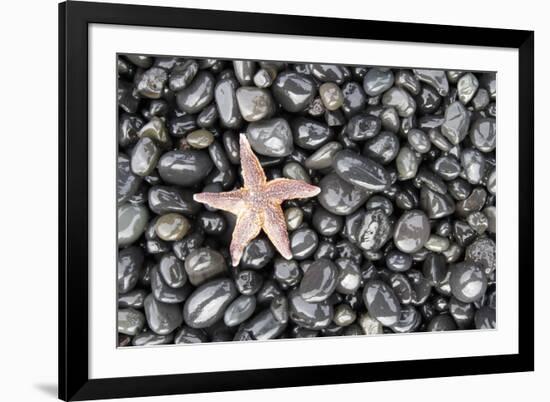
[[257, 200]]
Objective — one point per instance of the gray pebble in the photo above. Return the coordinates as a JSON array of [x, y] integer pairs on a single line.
[[319, 281], [381, 302], [294, 91], [303, 243], [184, 168], [468, 282], [340, 197], [130, 321], [400, 99], [255, 103], [457, 122], [207, 304], [240, 310], [162, 318], [199, 93], [374, 231], [131, 222], [204, 264], [412, 231], [377, 81], [309, 315], [383, 148], [270, 137]]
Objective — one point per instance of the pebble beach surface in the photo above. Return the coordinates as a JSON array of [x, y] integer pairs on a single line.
[[401, 237]]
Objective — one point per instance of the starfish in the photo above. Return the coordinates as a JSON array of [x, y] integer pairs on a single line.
[[257, 204]]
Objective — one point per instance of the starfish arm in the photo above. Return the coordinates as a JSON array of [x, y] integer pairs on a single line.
[[274, 226], [253, 174], [248, 226], [287, 189], [231, 201]]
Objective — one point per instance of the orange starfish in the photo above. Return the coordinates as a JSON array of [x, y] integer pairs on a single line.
[[258, 204]]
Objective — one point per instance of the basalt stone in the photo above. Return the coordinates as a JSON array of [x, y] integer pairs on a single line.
[[462, 313], [271, 137], [398, 261], [244, 71], [197, 94], [360, 171], [363, 126], [303, 243], [149, 338], [240, 310], [134, 298], [447, 167], [434, 268], [162, 318], [474, 165], [127, 181], [145, 156], [310, 134], [184, 168], [326, 223], [436, 205], [319, 281], [257, 254], [127, 97], [151, 83], [186, 245], [200, 139], [419, 140], [344, 315], [207, 304], [226, 101], [483, 253], [182, 75], [409, 320], [407, 80], [172, 271], [248, 282], [330, 72], [293, 218], [401, 287], [407, 163], [286, 272], [313, 316], [294, 91], [457, 122], [190, 335], [349, 276], [354, 99], [262, 326], [130, 321], [400, 99], [322, 158], [377, 81], [412, 231], [381, 302], [435, 78], [374, 231], [340, 197], [255, 103], [165, 293], [204, 264], [130, 262], [468, 282], [131, 222], [428, 99], [165, 199], [467, 86], [383, 148]]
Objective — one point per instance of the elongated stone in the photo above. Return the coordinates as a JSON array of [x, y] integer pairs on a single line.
[[412, 231], [197, 94], [381, 302], [207, 303], [339, 196], [360, 171]]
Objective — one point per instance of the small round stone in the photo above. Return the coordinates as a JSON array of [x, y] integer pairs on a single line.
[[130, 321], [412, 231], [377, 81], [326, 223], [398, 261], [200, 139], [255, 103], [239, 310], [294, 218], [131, 222], [309, 315], [172, 271], [271, 137], [468, 282], [349, 276], [360, 171], [319, 281], [172, 227], [374, 231], [303, 243], [344, 315], [257, 254], [331, 95], [204, 264], [207, 304], [381, 302]]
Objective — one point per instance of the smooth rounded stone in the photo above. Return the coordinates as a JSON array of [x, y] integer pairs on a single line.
[[459, 189], [492, 182], [434, 268], [481, 99], [421, 287], [467, 86], [264, 77], [453, 253], [340, 197], [310, 134], [293, 217], [179, 126], [184, 168], [383, 148], [165, 293], [485, 318], [162, 318], [436, 205], [212, 223], [262, 326], [482, 252], [419, 140], [172, 271], [390, 120], [207, 304], [127, 182], [303, 243], [244, 71], [204, 264], [468, 282], [322, 158], [331, 95], [130, 262], [456, 124], [151, 83], [360, 171], [330, 72], [165, 199], [131, 222], [474, 165], [441, 322], [381, 302], [407, 163], [363, 126], [464, 234], [225, 96], [349, 276], [354, 98], [240, 310], [128, 129], [478, 221], [199, 93], [491, 214], [439, 140], [412, 231], [145, 156], [380, 202], [139, 60], [271, 137], [130, 321], [374, 231], [257, 254], [279, 309], [189, 243], [399, 99], [398, 261], [326, 223], [409, 320], [133, 298], [407, 80], [430, 180], [316, 107], [294, 91], [344, 315], [255, 103], [437, 244], [435, 78], [155, 129], [462, 313], [231, 145], [474, 202], [319, 281], [401, 287], [190, 335], [172, 227], [127, 97], [286, 272], [149, 338], [428, 100], [268, 292], [369, 325], [447, 167], [200, 139], [377, 81], [181, 76], [313, 316], [295, 171], [248, 282]]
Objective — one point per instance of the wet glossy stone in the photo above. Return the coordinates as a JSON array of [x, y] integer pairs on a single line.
[[374, 231], [226, 101], [473, 162], [474, 202], [492, 182], [162, 318], [255, 103], [240, 310], [398, 98], [286, 272], [295, 171], [398, 261], [478, 221], [151, 83], [322, 157], [165, 293], [447, 167], [340, 197], [468, 282], [482, 252], [262, 326], [412, 231], [279, 309], [182, 75], [344, 315], [294, 91], [197, 94], [310, 134], [467, 86], [401, 287], [207, 304], [436, 205], [130, 262], [381, 302], [149, 338], [257, 254], [303, 243], [485, 318], [370, 325], [172, 227], [319, 281], [456, 124], [459, 189], [271, 137], [434, 268], [363, 126], [165, 199], [390, 120], [131, 222], [145, 156], [407, 163], [435, 78], [294, 218], [383, 148], [428, 99], [134, 298], [326, 223], [441, 322], [212, 223], [360, 171], [184, 168], [331, 95], [481, 99], [172, 271], [190, 335], [407, 80], [419, 140], [244, 71], [349, 276], [204, 264], [200, 139], [330, 72], [354, 98], [127, 181], [248, 282], [309, 315], [491, 214], [409, 320], [462, 313], [130, 321], [377, 81]]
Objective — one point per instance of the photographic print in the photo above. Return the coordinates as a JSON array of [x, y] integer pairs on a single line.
[[261, 200]]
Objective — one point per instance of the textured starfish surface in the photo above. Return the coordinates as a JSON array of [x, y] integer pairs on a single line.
[[257, 204]]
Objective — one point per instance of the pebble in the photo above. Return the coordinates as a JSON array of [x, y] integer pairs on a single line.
[[331, 96], [172, 271], [377, 81], [133, 298], [419, 140], [474, 165], [360, 171], [172, 227], [244, 71], [383, 148], [163, 292], [344, 315], [381, 302], [271, 137], [310, 134], [374, 230], [309, 315], [398, 261], [456, 124], [485, 318], [436, 205], [286, 272], [240, 310], [340, 197], [207, 304], [303, 243], [162, 318], [166, 199], [261, 327], [149, 338], [127, 181], [483, 253], [412, 231], [130, 262], [441, 322], [447, 167], [407, 80], [257, 254], [349, 276], [190, 335], [400, 99], [330, 72], [322, 158], [326, 223], [409, 320], [294, 218], [407, 163], [145, 156], [130, 321], [468, 282], [255, 103], [462, 313], [354, 99], [131, 223], [225, 96], [435, 78], [370, 325], [151, 83], [182, 75], [204, 264], [466, 87], [184, 168], [200, 139], [363, 126], [319, 281], [198, 94], [248, 282], [294, 91]]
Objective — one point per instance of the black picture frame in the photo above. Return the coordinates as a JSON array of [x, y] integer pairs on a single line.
[[74, 18]]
